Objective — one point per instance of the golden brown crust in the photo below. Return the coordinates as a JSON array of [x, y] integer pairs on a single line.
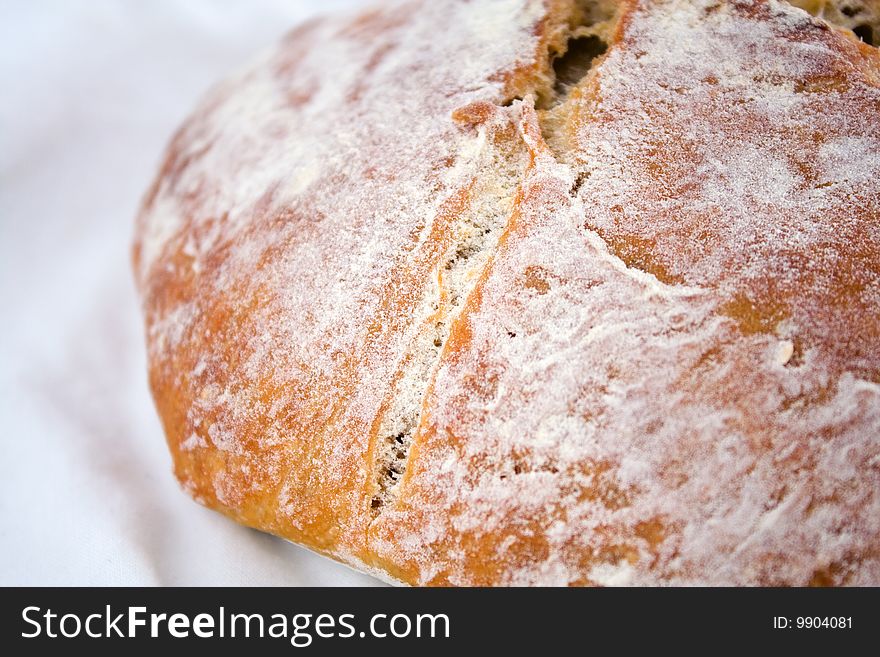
[[574, 293]]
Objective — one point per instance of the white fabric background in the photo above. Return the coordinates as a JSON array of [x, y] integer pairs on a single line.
[[90, 92]]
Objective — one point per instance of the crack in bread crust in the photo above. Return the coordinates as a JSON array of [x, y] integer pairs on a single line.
[[475, 233], [468, 235], [860, 18]]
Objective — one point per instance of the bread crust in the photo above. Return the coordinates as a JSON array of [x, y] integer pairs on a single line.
[[518, 293]]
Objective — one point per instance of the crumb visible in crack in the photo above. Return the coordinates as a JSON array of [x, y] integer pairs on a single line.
[[577, 61], [861, 18], [394, 456], [579, 180], [571, 66], [470, 240], [865, 33], [474, 237]]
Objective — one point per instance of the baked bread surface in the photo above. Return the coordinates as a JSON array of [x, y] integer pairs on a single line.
[[522, 292]]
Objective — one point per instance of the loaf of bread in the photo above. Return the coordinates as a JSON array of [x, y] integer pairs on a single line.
[[535, 292]]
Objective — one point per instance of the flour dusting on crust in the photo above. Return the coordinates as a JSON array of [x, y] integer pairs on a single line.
[[408, 310]]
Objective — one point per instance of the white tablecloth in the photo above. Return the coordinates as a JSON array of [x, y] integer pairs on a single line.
[[90, 91]]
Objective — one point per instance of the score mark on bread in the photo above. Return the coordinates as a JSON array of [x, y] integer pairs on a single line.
[[565, 292]]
